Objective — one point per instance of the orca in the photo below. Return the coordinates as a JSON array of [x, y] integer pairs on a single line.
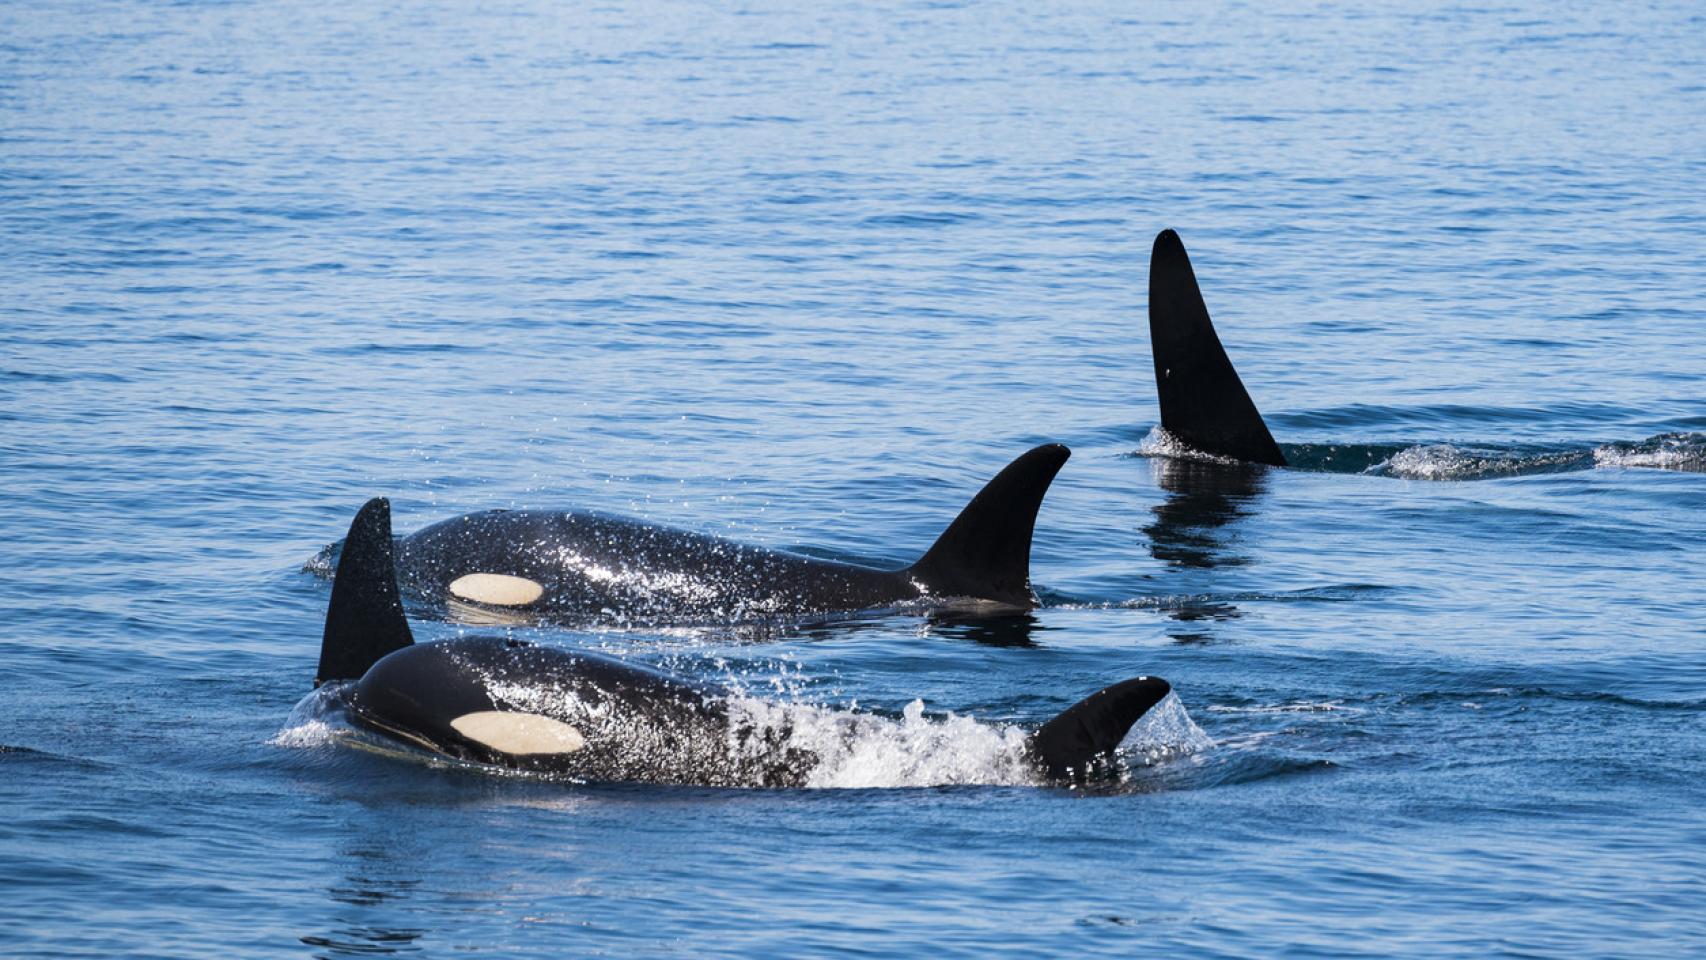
[[577, 566], [1203, 403], [511, 704]]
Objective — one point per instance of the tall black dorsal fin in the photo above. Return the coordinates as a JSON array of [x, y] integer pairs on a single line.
[[986, 551], [1069, 744], [364, 620], [1203, 403]]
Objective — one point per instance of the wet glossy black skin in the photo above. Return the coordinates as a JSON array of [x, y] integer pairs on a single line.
[[1203, 403], [605, 567], [644, 725], [639, 724]]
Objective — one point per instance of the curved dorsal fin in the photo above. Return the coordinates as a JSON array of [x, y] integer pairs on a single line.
[[986, 552], [364, 620], [1203, 403], [1067, 745]]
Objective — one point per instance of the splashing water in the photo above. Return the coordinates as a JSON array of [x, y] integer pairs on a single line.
[[1160, 443], [1448, 461], [1667, 451], [1165, 733], [1444, 461], [305, 734], [857, 750]]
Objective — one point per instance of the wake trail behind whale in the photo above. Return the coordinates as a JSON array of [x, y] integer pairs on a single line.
[[1683, 451]]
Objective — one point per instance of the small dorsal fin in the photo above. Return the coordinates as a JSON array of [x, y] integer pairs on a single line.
[[986, 552], [364, 620], [1203, 403], [1067, 745]]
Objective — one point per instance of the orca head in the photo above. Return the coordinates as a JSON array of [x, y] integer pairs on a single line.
[[438, 696], [445, 697]]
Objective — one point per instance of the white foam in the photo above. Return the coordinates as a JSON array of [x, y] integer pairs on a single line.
[[1160, 443], [306, 735], [859, 750], [1667, 451], [1442, 461], [1320, 706], [313, 721], [1164, 733], [863, 751]]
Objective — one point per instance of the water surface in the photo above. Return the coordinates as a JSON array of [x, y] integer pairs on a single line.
[[807, 278]]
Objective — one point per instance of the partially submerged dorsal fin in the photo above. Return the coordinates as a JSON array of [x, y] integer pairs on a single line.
[[1070, 743], [1203, 403], [364, 620], [986, 552]]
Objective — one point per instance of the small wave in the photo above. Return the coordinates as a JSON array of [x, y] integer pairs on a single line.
[[313, 722], [1667, 451], [1317, 706], [1166, 732], [1245, 758], [1444, 461], [1336, 593], [1339, 593], [1449, 415], [1439, 461], [1160, 443], [1259, 769], [15, 753], [1338, 457], [1480, 698], [1453, 461], [310, 733], [324, 563]]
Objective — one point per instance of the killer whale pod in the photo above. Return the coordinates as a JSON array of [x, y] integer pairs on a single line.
[[513, 704]]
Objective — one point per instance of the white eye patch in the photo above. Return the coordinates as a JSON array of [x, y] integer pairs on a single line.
[[496, 589], [518, 734]]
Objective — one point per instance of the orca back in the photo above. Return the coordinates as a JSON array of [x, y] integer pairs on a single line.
[[1069, 745], [986, 552], [1203, 403]]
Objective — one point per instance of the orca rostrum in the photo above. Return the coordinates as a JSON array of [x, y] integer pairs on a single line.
[[512, 704], [1203, 403], [575, 566]]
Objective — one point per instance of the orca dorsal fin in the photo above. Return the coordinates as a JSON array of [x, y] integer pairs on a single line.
[[986, 552], [1203, 403], [364, 620], [1069, 744]]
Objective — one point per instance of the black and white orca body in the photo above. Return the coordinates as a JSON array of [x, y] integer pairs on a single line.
[[512, 704], [509, 703], [1203, 403], [571, 566]]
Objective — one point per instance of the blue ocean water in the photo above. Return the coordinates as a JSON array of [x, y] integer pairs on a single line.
[[807, 277]]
